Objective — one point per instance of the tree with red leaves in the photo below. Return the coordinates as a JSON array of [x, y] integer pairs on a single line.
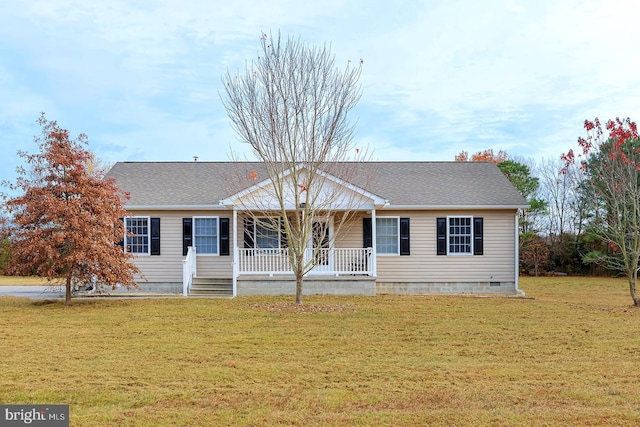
[[612, 164], [66, 224]]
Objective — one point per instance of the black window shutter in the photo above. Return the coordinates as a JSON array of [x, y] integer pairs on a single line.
[[404, 236], [283, 233], [367, 233], [477, 236], [441, 230], [224, 236], [187, 239], [248, 233], [155, 236]]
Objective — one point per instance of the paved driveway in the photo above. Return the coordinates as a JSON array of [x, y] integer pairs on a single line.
[[35, 292]]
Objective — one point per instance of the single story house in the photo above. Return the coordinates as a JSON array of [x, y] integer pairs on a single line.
[[426, 227]]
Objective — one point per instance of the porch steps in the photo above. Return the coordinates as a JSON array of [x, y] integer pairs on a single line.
[[210, 287]]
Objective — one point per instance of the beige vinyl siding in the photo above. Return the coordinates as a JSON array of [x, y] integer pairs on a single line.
[[497, 264], [167, 267], [350, 233]]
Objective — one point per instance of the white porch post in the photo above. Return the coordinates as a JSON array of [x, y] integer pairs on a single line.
[[374, 257], [235, 252]]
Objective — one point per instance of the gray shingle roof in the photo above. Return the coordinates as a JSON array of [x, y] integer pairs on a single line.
[[405, 184]]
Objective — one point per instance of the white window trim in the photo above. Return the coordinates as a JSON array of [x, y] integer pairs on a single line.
[[375, 228], [148, 218], [255, 236], [193, 234], [472, 236]]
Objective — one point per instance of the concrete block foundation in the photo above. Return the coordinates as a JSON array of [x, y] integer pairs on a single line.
[[502, 288], [332, 285], [313, 285]]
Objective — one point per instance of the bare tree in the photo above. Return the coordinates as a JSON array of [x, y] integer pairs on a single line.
[[291, 106], [97, 166], [556, 188]]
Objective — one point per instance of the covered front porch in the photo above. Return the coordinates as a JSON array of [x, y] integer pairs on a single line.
[[268, 271], [298, 212], [334, 269]]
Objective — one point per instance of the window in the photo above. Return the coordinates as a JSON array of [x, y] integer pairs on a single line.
[[459, 235], [267, 234], [387, 235], [136, 240], [205, 235], [188, 235], [392, 235], [262, 233]]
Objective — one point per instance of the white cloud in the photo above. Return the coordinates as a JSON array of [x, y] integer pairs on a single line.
[[142, 79]]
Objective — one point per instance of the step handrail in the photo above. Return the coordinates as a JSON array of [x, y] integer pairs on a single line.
[[188, 270]]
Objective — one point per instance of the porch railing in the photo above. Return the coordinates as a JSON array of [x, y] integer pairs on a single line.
[[348, 260], [263, 261], [188, 270], [327, 261]]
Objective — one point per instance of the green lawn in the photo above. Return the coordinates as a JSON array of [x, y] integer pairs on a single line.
[[568, 354]]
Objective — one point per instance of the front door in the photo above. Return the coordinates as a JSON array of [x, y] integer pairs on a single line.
[[321, 244]]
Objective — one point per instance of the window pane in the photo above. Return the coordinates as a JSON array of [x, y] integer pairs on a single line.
[[460, 235], [387, 235], [267, 234], [137, 240], [205, 235]]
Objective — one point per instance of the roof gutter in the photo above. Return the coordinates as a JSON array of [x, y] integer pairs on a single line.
[[215, 207], [222, 206], [451, 207]]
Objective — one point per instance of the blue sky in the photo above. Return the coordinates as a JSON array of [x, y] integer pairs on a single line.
[[142, 78]]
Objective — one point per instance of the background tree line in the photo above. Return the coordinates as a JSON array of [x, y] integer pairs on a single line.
[[556, 233], [565, 229]]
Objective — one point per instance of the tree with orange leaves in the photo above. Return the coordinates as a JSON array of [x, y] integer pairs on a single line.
[[483, 156], [520, 176], [66, 224]]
